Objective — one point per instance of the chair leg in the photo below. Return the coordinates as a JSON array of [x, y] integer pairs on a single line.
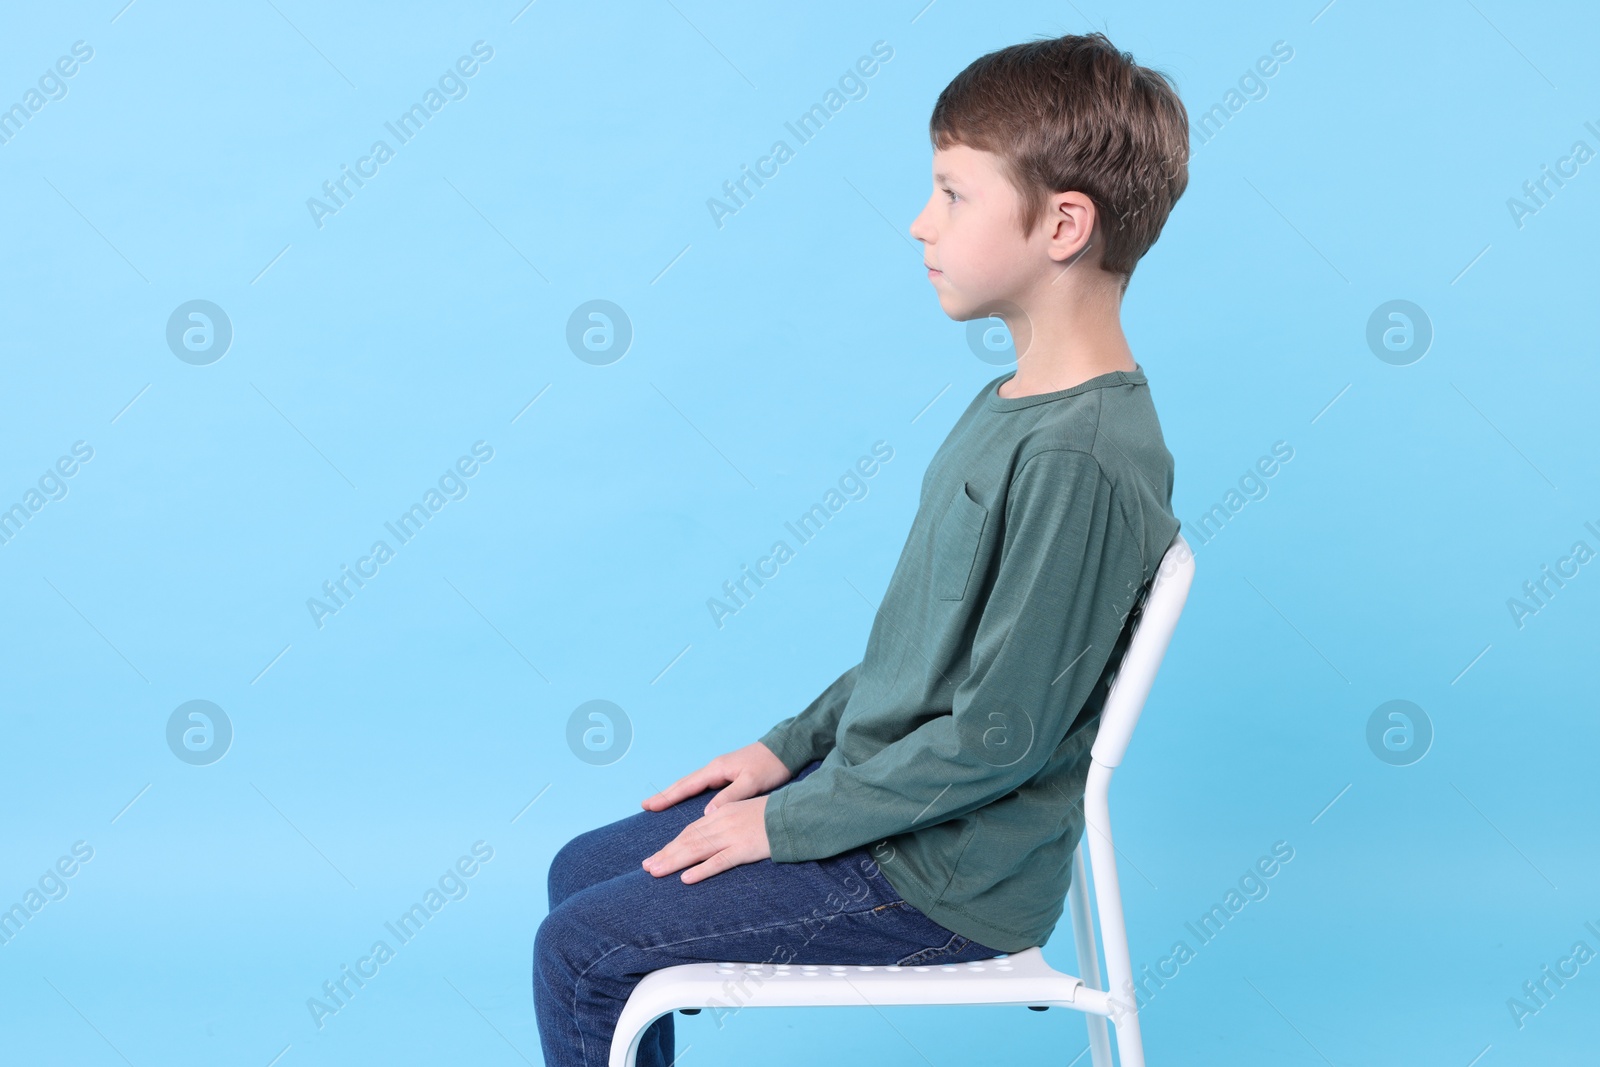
[[1088, 956], [629, 1035], [1113, 926]]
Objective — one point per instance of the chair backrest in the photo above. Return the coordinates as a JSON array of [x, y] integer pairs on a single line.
[[1152, 630]]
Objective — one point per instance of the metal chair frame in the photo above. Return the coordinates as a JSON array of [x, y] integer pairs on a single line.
[[1018, 978]]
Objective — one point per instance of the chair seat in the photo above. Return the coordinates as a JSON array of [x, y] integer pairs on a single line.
[[1020, 978]]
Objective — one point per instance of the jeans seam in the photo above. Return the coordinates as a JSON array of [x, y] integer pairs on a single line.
[[748, 930], [938, 950], [577, 986], [579, 977]]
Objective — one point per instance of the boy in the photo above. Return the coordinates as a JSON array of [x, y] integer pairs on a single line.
[[925, 807]]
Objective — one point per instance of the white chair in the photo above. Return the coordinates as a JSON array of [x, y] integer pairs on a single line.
[[1018, 978]]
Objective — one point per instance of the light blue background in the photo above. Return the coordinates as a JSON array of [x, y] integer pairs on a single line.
[[768, 355]]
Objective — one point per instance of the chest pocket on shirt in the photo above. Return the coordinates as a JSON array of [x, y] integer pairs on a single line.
[[955, 545]]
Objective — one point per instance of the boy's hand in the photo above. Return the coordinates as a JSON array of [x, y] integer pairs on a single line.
[[751, 770], [733, 834]]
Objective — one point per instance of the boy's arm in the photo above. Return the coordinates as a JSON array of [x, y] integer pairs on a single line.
[[1069, 569], [809, 735]]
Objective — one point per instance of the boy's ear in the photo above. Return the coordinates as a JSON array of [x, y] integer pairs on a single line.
[[1073, 222]]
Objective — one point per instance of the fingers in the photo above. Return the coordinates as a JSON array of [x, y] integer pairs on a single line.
[[692, 844], [713, 844], [661, 864], [666, 859], [678, 854], [667, 862], [713, 865], [742, 788], [689, 785]]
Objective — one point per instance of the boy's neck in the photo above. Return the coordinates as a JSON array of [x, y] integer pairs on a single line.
[[1063, 343]]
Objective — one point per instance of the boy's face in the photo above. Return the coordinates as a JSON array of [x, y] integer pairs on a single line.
[[968, 228]]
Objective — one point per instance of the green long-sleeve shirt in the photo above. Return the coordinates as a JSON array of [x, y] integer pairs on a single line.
[[958, 747]]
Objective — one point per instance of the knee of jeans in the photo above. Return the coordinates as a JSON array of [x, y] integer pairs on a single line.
[[566, 871], [559, 935], [551, 966], [569, 943]]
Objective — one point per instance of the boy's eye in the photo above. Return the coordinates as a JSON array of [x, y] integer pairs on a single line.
[[951, 194]]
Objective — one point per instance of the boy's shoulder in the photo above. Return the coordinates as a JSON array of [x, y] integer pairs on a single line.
[[1116, 424], [1115, 421]]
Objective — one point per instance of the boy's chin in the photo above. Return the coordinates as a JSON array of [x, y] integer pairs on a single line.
[[966, 310], [963, 309]]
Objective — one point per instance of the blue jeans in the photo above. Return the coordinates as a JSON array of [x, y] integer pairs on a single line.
[[611, 923]]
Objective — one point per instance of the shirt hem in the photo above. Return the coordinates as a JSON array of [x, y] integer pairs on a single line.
[[957, 921]]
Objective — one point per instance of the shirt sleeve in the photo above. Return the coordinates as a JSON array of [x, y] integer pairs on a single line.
[[1069, 570], [809, 735]]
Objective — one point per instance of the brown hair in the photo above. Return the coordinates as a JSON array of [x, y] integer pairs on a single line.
[[1073, 113]]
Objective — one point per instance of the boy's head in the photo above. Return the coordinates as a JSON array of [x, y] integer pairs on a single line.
[[1061, 151]]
